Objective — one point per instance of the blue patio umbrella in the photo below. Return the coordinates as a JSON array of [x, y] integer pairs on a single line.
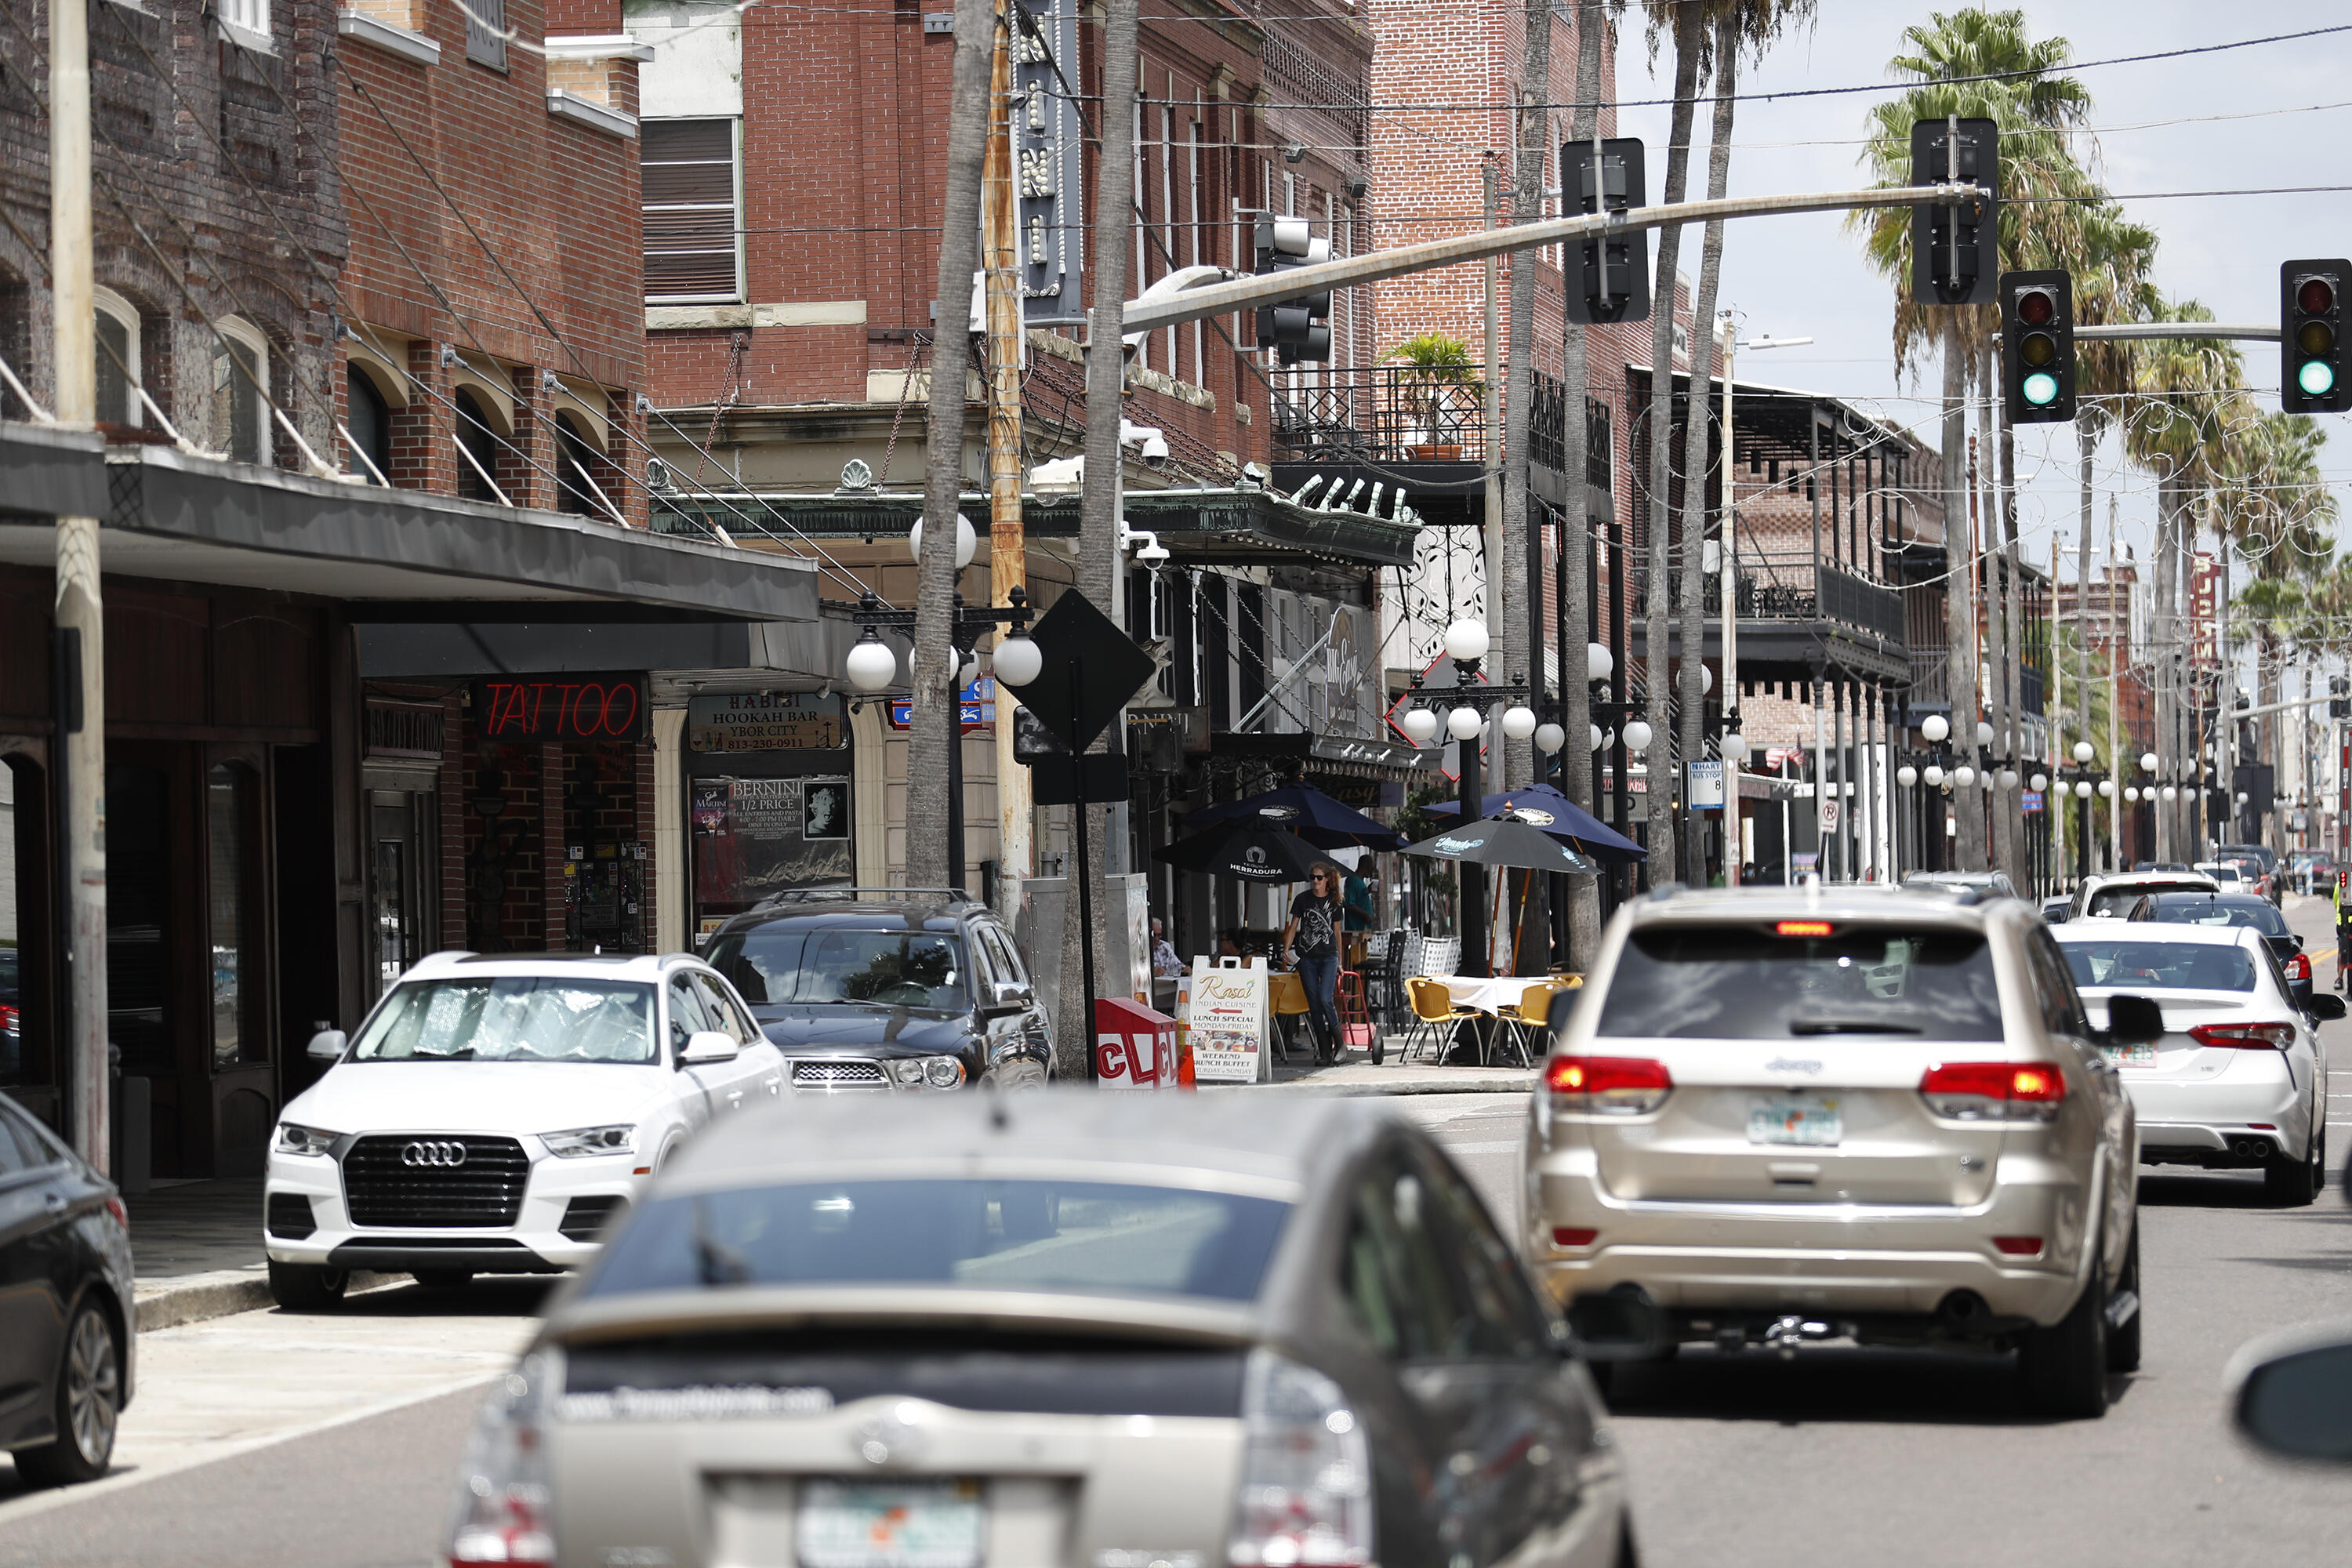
[[1546, 807], [1307, 812]]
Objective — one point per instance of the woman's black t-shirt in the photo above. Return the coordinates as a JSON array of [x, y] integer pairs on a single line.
[[1315, 917]]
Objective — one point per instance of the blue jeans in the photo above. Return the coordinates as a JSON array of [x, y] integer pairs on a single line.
[[1320, 976]]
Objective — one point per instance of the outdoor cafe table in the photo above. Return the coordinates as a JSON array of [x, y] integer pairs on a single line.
[[1484, 993]]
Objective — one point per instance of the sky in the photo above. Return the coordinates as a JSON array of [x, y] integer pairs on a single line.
[[1804, 274]]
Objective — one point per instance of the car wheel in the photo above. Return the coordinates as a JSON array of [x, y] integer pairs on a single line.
[[88, 1402], [2061, 1371], [2293, 1182], [306, 1287], [445, 1279], [2123, 1343]]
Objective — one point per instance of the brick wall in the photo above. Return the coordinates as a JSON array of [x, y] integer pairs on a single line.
[[224, 156], [554, 203]]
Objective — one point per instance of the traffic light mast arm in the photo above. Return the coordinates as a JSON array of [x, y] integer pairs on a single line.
[[2140, 331], [1244, 293]]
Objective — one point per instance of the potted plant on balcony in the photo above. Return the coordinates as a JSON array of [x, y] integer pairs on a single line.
[[1433, 365]]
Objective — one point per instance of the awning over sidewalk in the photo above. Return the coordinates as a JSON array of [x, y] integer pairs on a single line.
[[169, 516]]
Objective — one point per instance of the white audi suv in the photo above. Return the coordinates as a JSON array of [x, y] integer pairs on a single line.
[[496, 1111]]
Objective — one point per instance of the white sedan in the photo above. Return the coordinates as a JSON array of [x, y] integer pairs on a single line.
[[496, 1112], [2239, 1077]]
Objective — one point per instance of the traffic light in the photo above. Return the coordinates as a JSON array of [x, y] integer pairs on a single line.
[[1615, 268], [2312, 370], [2037, 340], [1296, 328], [1956, 250], [2339, 696]]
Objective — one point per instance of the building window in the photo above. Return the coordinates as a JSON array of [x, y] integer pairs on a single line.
[[246, 21], [485, 33], [693, 195], [369, 428], [240, 414], [576, 489], [117, 359], [478, 456], [230, 808]]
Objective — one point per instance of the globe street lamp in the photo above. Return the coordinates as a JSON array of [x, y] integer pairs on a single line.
[[1467, 643]]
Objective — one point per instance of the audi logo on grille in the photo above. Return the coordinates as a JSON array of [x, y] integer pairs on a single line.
[[423, 1155]]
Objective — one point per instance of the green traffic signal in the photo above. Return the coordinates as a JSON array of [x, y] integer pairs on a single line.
[[2040, 389], [2317, 378], [2312, 336]]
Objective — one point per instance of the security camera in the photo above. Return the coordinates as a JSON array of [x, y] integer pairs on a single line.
[[1155, 449], [1358, 185]]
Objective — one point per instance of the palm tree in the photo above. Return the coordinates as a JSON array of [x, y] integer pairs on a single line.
[[2033, 104], [1584, 892], [932, 729], [1520, 588]]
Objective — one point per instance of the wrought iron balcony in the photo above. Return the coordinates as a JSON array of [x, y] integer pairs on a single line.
[[1394, 412], [1772, 590]]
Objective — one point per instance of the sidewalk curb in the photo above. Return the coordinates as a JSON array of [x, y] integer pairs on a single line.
[[198, 1298], [1512, 1083]]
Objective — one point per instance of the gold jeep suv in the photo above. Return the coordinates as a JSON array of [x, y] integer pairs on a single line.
[[1787, 1115]]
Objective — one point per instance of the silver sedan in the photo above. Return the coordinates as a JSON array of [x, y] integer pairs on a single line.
[[1123, 1330]]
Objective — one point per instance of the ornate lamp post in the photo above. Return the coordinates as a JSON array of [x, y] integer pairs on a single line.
[[1467, 643]]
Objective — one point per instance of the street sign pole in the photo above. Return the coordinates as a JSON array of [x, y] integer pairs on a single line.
[[1085, 905]]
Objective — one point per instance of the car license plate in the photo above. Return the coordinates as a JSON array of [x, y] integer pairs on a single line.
[[1806, 1119], [842, 1525], [2140, 1054]]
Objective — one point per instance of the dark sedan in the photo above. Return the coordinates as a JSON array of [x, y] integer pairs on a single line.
[[65, 1302], [1119, 1329], [2237, 910]]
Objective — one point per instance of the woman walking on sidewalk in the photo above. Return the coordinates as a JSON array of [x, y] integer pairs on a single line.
[[1312, 937]]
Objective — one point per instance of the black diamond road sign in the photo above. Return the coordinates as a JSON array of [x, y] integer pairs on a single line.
[[1091, 668]]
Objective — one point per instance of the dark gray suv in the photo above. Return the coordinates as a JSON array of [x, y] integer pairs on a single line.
[[887, 990]]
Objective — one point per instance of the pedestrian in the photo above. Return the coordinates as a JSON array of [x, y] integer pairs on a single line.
[[2341, 897], [1164, 962], [1312, 939]]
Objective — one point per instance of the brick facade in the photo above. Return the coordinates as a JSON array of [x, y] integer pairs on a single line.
[[535, 214], [226, 157]]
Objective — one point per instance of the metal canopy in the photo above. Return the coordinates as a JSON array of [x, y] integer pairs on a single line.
[[169, 516]]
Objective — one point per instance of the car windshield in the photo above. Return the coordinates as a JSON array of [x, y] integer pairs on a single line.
[[1752, 983], [980, 1235], [789, 966], [2191, 909], [2120, 899], [2135, 965], [513, 1018]]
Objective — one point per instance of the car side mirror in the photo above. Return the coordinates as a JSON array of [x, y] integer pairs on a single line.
[[2325, 1007], [2293, 1396], [1004, 995], [327, 1045], [707, 1046], [1562, 1006], [1624, 1325], [2134, 1020]]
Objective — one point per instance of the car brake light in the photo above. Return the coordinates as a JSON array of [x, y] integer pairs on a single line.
[[1993, 1091], [2018, 1246], [114, 1206], [2299, 967], [1306, 1492], [1611, 1086], [1572, 1235], [503, 1514], [2245, 1036], [1803, 927], [7, 1019]]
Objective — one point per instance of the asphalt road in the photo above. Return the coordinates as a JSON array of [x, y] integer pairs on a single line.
[[331, 1442]]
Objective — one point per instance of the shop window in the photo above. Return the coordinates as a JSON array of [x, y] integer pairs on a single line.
[[369, 426], [692, 196], [479, 444], [118, 359], [240, 414], [20, 915], [229, 806]]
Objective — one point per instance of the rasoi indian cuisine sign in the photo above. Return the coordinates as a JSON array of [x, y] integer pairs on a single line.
[[526, 708]]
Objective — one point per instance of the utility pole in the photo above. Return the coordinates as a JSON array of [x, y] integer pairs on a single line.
[[1008, 559], [78, 642]]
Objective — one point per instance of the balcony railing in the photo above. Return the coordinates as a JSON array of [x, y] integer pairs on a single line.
[[1775, 591], [1395, 413]]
